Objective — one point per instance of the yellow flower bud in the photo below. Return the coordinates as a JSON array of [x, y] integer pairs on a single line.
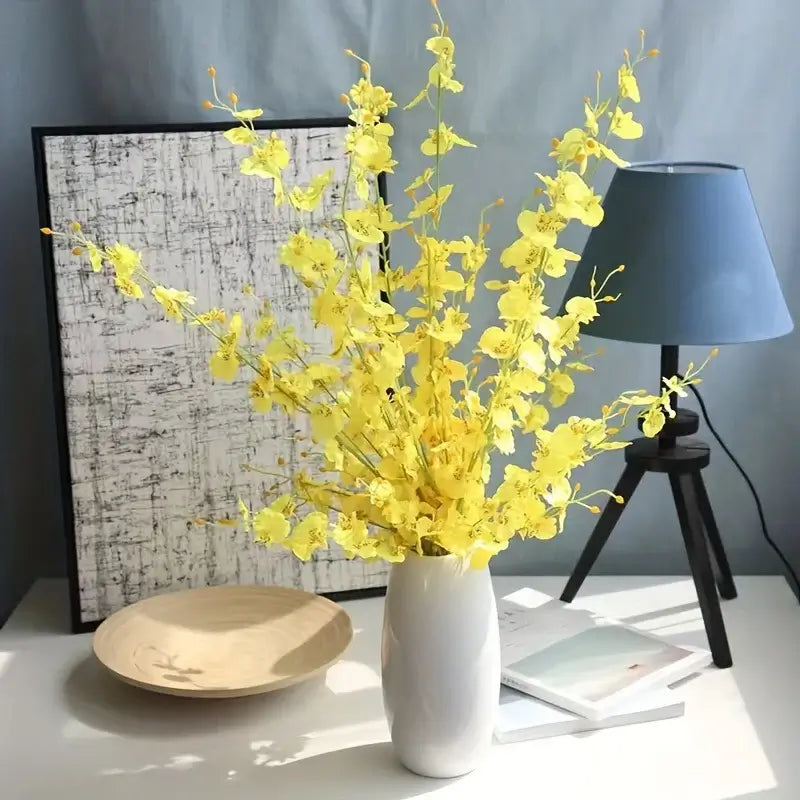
[[594, 509], [76, 251], [555, 142], [304, 453], [207, 104], [626, 53], [435, 27], [435, 3], [348, 52], [576, 488], [364, 68], [654, 52], [499, 202], [46, 231], [344, 98], [76, 226], [641, 33], [620, 268], [715, 351], [538, 190], [233, 97], [587, 100], [212, 72], [618, 498], [485, 228]]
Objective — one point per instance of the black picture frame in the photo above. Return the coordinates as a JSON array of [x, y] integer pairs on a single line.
[[38, 136]]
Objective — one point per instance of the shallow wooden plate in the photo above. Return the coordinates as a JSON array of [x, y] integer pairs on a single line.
[[223, 641]]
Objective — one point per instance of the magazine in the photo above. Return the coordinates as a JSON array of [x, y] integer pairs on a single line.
[[580, 661], [522, 717]]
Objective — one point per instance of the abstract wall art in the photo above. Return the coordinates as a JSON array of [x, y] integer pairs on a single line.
[[147, 444]]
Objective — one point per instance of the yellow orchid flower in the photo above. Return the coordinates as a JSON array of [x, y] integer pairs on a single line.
[[623, 124], [401, 438], [628, 87], [249, 114], [270, 526], [653, 421], [124, 260], [372, 154], [242, 135], [129, 287], [351, 534], [308, 199], [326, 422], [95, 256], [224, 364], [173, 301], [364, 225], [260, 391], [576, 146], [309, 535], [591, 123], [432, 203], [541, 227], [442, 141], [267, 161], [497, 343], [210, 317], [582, 309], [561, 388]]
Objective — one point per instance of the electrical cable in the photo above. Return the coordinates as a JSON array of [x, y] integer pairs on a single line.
[[752, 488]]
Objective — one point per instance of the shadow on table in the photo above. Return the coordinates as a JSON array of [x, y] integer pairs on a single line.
[[366, 772], [363, 772], [279, 722]]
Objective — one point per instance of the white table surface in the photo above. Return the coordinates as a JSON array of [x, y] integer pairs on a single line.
[[68, 730]]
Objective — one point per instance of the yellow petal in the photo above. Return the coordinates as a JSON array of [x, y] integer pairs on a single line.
[[248, 113]]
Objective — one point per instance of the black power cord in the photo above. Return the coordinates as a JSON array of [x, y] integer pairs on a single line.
[[752, 488]]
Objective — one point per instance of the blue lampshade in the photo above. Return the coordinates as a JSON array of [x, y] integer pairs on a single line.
[[697, 266]]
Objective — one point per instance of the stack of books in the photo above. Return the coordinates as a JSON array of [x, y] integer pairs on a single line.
[[566, 670]]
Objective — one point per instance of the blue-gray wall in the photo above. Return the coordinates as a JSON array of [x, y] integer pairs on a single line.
[[724, 89]]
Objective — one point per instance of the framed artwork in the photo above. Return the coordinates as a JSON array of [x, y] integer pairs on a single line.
[[146, 442]]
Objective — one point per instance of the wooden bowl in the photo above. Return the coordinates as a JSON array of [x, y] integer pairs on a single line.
[[223, 641]]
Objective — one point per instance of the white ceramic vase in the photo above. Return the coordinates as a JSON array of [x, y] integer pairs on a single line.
[[440, 659]]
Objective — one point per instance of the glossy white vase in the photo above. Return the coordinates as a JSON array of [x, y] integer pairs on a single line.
[[440, 659]]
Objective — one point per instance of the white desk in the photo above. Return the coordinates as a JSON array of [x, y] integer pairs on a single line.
[[68, 730]]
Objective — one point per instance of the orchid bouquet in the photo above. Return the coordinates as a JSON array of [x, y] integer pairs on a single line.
[[402, 431]]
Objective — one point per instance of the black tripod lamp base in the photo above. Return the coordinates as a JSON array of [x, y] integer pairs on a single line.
[[683, 463]]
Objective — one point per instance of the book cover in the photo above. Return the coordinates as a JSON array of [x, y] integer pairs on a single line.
[[521, 717], [580, 661]]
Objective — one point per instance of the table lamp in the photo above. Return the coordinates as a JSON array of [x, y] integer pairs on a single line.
[[697, 272]]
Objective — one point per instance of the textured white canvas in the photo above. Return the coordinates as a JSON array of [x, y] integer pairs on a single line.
[[153, 441]]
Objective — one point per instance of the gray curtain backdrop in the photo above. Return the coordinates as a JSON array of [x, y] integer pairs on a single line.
[[725, 88]]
